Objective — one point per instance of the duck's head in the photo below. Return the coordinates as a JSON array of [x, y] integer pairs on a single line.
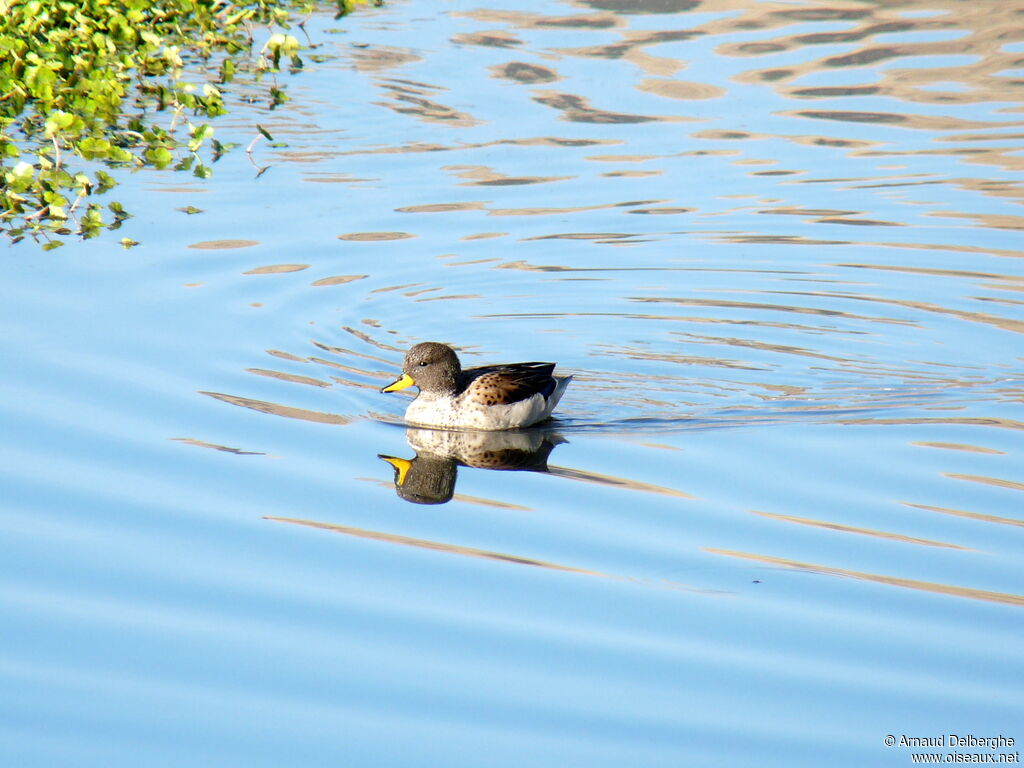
[[431, 366]]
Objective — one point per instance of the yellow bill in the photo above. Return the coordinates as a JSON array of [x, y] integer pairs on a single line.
[[401, 466], [402, 383]]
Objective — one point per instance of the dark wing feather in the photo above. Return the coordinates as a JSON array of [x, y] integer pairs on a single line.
[[505, 384]]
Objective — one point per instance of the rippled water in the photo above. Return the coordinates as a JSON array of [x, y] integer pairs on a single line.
[[777, 519]]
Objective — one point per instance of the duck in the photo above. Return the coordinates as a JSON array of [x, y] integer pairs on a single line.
[[490, 397]]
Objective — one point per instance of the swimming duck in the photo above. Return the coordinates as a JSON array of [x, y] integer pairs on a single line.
[[490, 397]]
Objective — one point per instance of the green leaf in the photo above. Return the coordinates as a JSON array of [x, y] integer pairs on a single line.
[[93, 216], [119, 155], [57, 122], [159, 156], [227, 71], [56, 201], [199, 135], [92, 148], [105, 182]]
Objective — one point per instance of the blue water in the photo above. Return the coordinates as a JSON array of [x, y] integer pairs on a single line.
[[777, 517]]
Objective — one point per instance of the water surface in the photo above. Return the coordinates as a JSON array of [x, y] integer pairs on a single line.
[[777, 519]]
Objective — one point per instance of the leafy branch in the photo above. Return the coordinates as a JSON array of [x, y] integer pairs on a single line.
[[87, 83]]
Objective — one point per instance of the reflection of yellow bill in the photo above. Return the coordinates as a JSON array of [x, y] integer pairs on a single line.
[[402, 383], [401, 466]]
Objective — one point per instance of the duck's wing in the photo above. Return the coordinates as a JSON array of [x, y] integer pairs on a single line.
[[506, 384]]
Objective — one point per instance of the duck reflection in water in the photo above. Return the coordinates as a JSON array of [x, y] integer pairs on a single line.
[[429, 478]]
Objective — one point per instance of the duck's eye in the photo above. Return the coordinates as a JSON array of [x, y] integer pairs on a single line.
[[423, 364]]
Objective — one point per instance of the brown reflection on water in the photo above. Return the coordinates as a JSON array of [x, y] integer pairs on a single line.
[[452, 297], [641, 7], [285, 355], [485, 176], [437, 546], [996, 482], [545, 211], [374, 237], [484, 236], [536, 21], [752, 323], [934, 123], [859, 222], [337, 280], [276, 269], [223, 245], [960, 447], [924, 586], [276, 409], [441, 207], [379, 58], [494, 38], [420, 100], [988, 220], [320, 177], [985, 318], [527, 74], [631, 45], [934, 271], [596, 236], [346, 352], [762, 346], [216, 447], [577, 109], [617, 482], [635, 353], [292, 377], [366, 338], [859, 531], [667, 211], [480, 501], [765, 307], [965, 513], [538, 141], [484, 554], [681, 89], [948, 420], [777, 240]]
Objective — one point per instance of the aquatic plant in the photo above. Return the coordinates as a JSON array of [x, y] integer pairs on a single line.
[[92, 84]]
